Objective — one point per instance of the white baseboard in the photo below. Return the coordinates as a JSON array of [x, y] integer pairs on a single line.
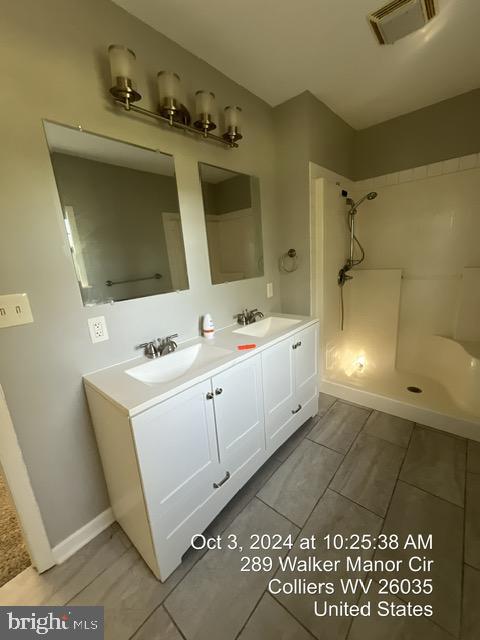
[[63, 550]]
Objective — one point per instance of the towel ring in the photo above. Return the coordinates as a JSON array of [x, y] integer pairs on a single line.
[[291, 255]]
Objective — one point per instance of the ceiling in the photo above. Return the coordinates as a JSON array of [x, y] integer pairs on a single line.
[[277, 49]]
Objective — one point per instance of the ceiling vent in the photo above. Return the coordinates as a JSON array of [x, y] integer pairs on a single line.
[[400, 18]]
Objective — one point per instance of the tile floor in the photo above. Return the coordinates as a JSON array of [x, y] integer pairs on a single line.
[[350, 470]]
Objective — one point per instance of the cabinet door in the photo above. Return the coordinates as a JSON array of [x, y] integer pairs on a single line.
[[239, 416], [279, 391], [178, 459], [306, 365]]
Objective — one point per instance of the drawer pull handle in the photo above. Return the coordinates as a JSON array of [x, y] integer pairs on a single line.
[[209, 395], [218, 391], [297, 409], [217, 485], [297, 344]]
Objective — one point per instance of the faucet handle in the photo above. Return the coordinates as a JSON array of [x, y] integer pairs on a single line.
[[149, 349], [241, 317], [167, 339]]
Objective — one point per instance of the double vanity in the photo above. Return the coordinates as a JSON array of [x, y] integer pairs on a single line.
[[181, 434]]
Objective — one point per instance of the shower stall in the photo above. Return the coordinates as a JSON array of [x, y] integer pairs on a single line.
[[397, 287]]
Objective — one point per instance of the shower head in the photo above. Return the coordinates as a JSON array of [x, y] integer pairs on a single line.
[[353, 205]]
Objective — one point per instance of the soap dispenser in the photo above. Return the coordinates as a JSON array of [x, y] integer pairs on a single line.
[[208, 328]]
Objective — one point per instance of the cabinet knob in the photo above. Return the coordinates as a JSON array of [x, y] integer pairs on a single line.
[[209, 395], [297, 409], [217, 485], [218, 391]]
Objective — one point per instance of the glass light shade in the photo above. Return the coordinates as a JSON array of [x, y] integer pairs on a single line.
[[168, 86], [204, 102], [122, 62], [233, 118]]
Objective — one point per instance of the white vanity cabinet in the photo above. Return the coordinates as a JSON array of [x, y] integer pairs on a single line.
[[182, 460], [290, 384], [173, 464]]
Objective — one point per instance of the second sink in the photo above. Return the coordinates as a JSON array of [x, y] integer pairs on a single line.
[[267, 327]]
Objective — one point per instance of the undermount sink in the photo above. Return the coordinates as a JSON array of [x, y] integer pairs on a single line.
[[176, 364], [267, 327]]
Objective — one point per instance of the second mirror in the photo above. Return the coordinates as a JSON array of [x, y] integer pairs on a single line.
[[231, 202]]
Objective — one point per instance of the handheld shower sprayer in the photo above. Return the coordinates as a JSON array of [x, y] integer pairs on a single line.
[[352, 261]]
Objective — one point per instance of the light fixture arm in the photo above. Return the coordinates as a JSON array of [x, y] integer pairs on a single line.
[[129, 106]]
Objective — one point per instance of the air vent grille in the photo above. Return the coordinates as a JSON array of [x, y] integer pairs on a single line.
[[400, 18], [390, 8], [430, 9]]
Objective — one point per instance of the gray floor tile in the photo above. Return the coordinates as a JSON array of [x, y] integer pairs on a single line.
[[369, 472], [390, 428], [471, 608], [242, 498], [413, 512], [59, 584], [158, 627], [473, 456], [325, 401], [472, 521], [333, 514], [338, 428], [297, 485], [216, 598], [378, 627], [130, 592], [270, 621], [292, 443], [436, 462]]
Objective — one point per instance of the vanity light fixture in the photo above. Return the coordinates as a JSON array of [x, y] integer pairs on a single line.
[[170, 107]]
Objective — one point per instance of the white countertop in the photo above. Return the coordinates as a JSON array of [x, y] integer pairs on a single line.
[[133, 396]]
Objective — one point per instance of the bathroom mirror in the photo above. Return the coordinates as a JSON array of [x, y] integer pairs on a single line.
[[121, 215], [231, 203]]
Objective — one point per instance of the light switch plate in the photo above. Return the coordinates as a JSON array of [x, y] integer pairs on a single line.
[[98, 329], [15, 309], [269, 289]]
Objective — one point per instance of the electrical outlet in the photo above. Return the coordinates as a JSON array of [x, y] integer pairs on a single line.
[[98, 329], [15, 309], [269, 289]]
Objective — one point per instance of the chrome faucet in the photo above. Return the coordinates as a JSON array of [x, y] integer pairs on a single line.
[[159, 347], [167, 345], [248, 317]]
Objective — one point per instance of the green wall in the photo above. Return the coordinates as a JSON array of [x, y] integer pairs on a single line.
[[448, 129]]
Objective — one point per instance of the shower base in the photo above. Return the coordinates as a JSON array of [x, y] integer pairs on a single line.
[[433, 406]]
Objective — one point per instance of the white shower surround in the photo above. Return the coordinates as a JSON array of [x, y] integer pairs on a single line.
[[438, 242]]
